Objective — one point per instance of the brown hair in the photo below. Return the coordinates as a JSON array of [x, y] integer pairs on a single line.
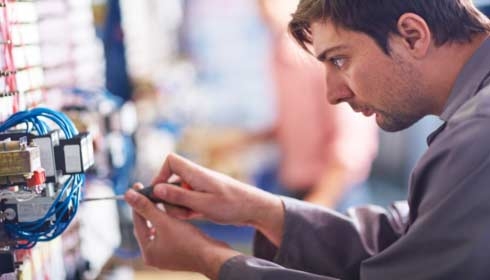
[[449, 20]]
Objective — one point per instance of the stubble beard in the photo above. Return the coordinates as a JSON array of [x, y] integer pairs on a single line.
[[410, 104]]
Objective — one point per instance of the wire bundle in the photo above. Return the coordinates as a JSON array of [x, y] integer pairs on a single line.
[[65, 205]]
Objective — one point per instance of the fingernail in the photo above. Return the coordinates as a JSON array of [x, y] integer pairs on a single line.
[[138, 186], [160, 190], [131, 196]]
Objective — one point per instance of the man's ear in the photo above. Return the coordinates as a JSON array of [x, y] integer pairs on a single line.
[[415, 34]]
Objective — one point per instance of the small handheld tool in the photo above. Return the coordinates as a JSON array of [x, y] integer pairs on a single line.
[[146, 191]]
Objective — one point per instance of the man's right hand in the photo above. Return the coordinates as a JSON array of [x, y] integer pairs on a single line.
[[219, 198]]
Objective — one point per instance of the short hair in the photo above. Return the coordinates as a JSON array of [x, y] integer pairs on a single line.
[[448, 20]]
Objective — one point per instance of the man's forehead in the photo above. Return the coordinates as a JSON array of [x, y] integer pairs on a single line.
[[326, 35]]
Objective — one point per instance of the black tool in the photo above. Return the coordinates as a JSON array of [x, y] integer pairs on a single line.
[[148, 192]]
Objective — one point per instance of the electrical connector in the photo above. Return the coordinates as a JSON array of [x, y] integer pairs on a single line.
[[75, 155], [27, 211]]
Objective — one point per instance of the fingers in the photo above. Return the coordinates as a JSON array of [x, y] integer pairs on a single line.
[[144, 207], [182, 213], [179, 212], [194, 200], [141, 229], [175, 164]]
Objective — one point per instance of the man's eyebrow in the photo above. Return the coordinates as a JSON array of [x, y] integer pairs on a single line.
[[323, 55]]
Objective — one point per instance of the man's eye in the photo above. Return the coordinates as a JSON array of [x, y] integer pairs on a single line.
[[337, 61]]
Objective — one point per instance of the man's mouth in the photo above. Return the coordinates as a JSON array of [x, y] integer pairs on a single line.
[[365, 111]]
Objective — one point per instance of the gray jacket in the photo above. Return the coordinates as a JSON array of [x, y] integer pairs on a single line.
[[441, 232]]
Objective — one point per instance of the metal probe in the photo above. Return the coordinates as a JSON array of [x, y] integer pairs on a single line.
[[146, 191], [116, 197]]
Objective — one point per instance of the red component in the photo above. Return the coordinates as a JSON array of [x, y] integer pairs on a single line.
[[22, 254], [185, 186], [38, 178]]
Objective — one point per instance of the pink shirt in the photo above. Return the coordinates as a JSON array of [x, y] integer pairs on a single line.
[[311, 131]]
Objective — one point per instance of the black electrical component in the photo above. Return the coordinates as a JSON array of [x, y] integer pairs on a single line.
[[5, 240], [7, 262], [75, 155]]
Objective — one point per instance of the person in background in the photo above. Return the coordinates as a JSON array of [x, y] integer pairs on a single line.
[[324, 150], [400, 61]]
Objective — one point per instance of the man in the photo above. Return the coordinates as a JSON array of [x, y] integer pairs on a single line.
[[397, 59]]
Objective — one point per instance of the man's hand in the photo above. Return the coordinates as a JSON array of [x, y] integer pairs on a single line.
[[219, 198], [168, 243]]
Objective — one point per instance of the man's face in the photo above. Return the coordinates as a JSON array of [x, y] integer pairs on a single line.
[[360, 73]]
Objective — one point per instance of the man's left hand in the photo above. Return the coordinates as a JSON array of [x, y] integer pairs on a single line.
[[169, 243]]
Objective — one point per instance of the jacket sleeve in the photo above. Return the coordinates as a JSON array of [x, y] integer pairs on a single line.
[[320, 244]]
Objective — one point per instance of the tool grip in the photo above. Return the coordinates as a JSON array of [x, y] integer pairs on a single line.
[[148, 192]]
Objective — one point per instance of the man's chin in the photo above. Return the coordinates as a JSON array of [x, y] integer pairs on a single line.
[[390, 124]]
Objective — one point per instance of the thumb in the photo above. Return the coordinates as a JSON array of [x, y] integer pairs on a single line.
[[143, 206]]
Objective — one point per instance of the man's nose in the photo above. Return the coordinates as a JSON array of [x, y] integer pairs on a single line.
[[336, 90]]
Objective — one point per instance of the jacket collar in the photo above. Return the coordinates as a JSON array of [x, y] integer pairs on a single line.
[[472, 78]]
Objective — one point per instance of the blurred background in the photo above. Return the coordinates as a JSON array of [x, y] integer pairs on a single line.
[[216, 81]]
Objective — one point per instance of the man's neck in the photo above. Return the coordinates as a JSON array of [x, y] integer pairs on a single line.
[[452, 58]]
